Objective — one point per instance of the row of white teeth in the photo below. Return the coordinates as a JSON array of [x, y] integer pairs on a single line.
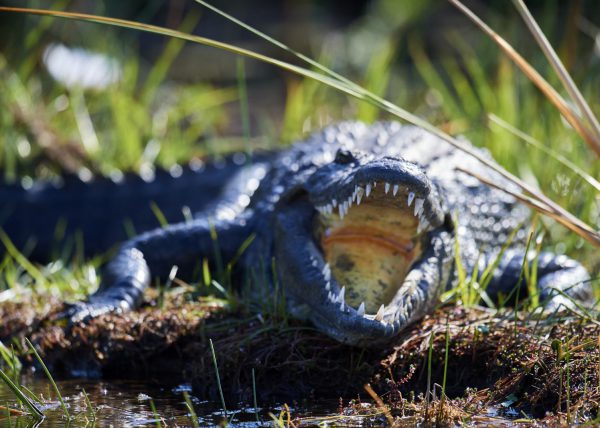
[[340, 298], [358, 194]]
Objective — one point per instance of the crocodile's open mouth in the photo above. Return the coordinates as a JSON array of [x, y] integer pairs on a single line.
[[362, 253], [369, 242]]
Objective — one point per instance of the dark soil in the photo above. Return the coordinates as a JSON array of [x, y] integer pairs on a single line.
[[533, 368]]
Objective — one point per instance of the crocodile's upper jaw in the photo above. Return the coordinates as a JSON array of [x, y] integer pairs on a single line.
[[358, 268]]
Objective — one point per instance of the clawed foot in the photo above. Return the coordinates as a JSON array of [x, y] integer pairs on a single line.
[[84, 312]]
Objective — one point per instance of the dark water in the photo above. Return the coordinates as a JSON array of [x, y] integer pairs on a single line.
[[128, 403], [123, 403]]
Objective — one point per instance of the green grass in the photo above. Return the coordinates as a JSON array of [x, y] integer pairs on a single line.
[[90, 408], [190, 406], [50, 378], [217, 376]]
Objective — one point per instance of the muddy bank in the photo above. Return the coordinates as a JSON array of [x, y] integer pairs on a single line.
[[521, 365]]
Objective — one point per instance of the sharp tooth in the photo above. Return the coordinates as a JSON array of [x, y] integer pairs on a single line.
[[341, 295], [328, 286], [423, 225], [374, 184], [368, 189], [349, 202], [342, 306], [341, 211], [333, 203], [314, 263], [354, 193], [418, 205], [379, 316], [359, 194], [387, 187], [329, 209], [327, 272], [395, 189], [361, 309], [330, 297], [411, 196]]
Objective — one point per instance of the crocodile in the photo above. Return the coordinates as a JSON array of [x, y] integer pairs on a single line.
[[362, 227]]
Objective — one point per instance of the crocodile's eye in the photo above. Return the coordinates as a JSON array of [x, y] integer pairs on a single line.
[[344, 157]]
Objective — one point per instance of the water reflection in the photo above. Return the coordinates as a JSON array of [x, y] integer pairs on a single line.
[[128, 403]]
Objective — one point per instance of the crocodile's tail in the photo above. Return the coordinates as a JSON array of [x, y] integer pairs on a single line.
[[51, 219]]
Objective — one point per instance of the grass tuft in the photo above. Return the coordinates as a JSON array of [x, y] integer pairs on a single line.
[[190, 407], [216, 366], [549, 92], [562, 73], [33, 409], [50, 378]]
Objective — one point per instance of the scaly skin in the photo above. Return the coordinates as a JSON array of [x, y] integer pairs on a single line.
[[279, 197]]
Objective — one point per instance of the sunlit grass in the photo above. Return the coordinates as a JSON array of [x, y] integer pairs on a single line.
[[134, 122]]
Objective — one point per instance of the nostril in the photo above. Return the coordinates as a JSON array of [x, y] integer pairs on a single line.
[[344, 157]]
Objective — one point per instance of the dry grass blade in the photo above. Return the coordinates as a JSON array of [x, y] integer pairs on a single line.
[[350, 89], [380, 403], [577, 226], [543, 204], [560, 158], [277, 43], [123, 23], [559, 68], [548, 91], [8, 412]]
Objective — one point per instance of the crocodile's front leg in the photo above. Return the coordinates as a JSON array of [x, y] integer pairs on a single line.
[[152, 255], [560, 279]]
